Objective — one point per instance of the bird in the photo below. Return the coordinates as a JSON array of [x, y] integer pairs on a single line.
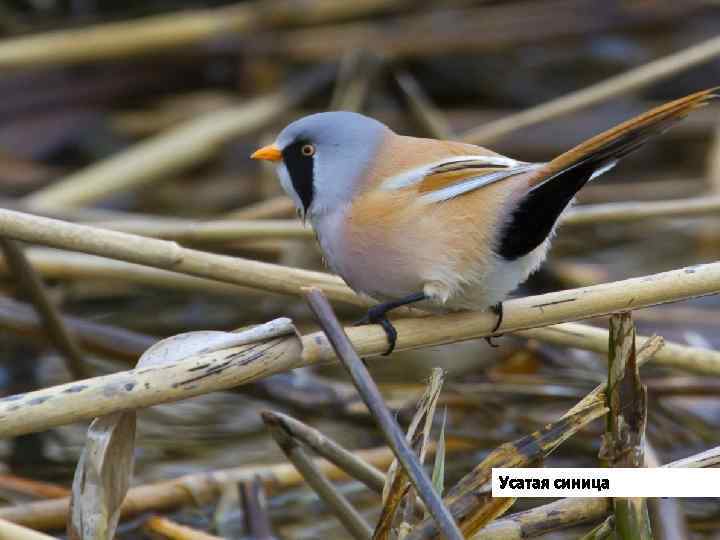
[[446, 225]]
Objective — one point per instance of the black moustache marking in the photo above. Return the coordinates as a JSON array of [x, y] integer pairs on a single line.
[[301, 170]]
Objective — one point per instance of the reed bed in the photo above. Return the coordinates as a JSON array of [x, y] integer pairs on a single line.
[[174, 342]]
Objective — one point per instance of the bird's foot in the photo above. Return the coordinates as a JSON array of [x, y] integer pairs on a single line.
[[378, 315], [497, 309]]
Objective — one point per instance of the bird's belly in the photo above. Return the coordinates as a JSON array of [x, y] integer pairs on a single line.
[[387, 266], [502, 278], [376, 272], [494, 287]]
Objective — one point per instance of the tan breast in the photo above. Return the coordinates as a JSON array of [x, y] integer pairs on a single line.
[[397, 244]]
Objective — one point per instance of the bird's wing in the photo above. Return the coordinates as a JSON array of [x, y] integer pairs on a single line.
[[454, 176], [551, 186]]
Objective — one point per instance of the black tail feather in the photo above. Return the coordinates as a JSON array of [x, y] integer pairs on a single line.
[[533, 220]]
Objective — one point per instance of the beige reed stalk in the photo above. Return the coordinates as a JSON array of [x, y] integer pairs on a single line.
[[56, 264], [220, 370], [161, 32], [644, 75], [520, 314]]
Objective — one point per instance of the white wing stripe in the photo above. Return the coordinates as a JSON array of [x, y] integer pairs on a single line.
[[477, 182], [413, 176], [602, 170]]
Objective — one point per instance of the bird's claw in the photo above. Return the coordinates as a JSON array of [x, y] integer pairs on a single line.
[[497, 309], [390, 332], [375, 316]]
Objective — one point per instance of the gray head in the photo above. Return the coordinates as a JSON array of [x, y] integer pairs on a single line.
[[322, 158]]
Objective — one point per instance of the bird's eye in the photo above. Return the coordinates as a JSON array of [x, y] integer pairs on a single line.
[[307, 150]]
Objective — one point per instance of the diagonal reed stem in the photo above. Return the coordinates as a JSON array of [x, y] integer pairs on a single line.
[[371, 396], [31, 283], [327, 448], [340, 506], [644, 75]]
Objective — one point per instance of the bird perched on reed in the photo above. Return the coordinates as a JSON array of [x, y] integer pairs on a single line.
[[447, 225]]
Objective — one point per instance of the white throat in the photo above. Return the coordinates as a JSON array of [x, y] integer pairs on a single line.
[[330, 231]]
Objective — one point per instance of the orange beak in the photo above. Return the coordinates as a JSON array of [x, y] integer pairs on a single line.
[[268, 153]]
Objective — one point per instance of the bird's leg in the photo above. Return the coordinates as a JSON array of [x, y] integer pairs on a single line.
[[378, 315], [497, 309]]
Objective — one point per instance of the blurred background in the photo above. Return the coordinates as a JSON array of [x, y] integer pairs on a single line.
[[145, 113]]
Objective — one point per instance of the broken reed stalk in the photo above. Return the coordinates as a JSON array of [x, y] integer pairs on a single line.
[[243, 224], [305, 392], [522, 313], [33, 287], [624, 440], [398, 496], [134, 389], [198, 374], [370, 394], [327, 448], [116, 219], [570, 512], [551, 308], [338, 503], [177, 149], [644, 354], [469, 499], [644, 75]]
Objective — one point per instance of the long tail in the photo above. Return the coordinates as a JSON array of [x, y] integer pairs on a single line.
[[554, 185], [624, 138]]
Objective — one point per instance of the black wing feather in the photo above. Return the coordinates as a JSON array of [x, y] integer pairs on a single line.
[[534, 218]]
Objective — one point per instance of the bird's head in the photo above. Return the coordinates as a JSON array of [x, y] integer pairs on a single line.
[[322, 159]]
